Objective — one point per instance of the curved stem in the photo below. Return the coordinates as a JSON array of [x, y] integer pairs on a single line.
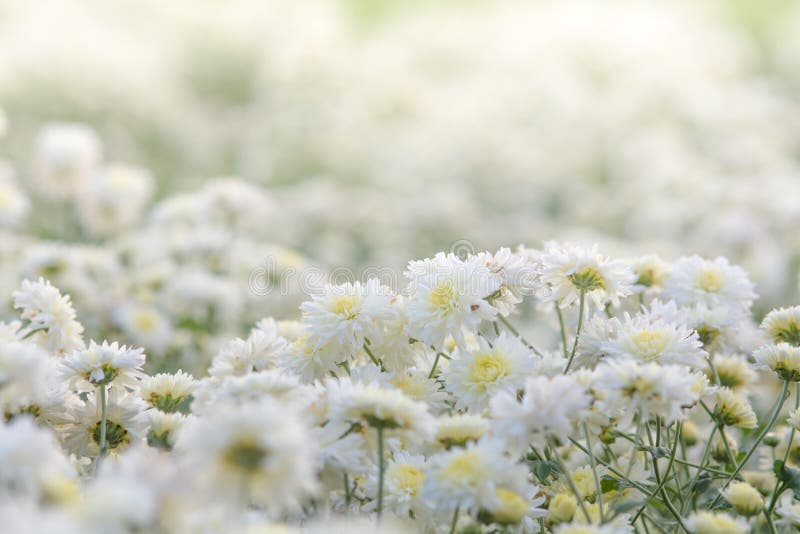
[[666, 474], [593, 463]]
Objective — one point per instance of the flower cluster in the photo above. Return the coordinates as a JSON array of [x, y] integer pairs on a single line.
[[449, 405]]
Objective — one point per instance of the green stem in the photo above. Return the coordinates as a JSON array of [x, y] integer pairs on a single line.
[[666, 474], [568, 480], [435, 363], [766, 429], [455, 520], [563, 331], [516, 334], [593, 463], [347, 497], [103, 421], [577, 331], [380, 471], [372, 357], [791, 433]]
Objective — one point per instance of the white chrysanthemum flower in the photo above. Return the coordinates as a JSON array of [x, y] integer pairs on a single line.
[[346, 315], [34, 465], [402, 492], [519, 276], [651, 272], [648, 389], [392, 344], [50, 315], [567, 270], [548, 407], [259, 351], [782, 358], [783, 325], [447, 296], [733, 410], [339, 449], [23, 368], [256, 452], [694, 280], [116, 199], [163, 428], [144, 325], [459, 429], [744, 498], [14, 204], [372, 405], [101, 365], [583, 528], [474, 376], [167, 392], [416, 385], [126, 423], [66, 156], [716, 523], [645, 339], [308, 362], [733, 371], [469, 477], [233, 389]]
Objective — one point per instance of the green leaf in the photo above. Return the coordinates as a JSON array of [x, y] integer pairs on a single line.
[[790, 476], [609, 484], [542, 469]]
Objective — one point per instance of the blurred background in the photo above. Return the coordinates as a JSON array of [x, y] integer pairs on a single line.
[[157, 152]]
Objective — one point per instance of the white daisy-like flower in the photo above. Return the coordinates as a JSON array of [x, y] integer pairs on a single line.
[[402, 492], [167, 392], [469, 477], [163, 427], [704, 522], [256, 452], [567, 270], [309, 363], [548, 407], [733, 410], [782, 325], [782, 358], [261, 350], [459, 429], [23, 369], [474, 376], [346, 315], [48, 316], [233, 390], [144, 325], [519, 276], [651, 272], [67, 155], [733, 371], [648, 389], [126, 423], [34, 465], [694, 280], [447, 296], [101, 365], [379, 407], [645, 339]]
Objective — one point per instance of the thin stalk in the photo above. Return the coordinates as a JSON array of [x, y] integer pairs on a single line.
[[563, 331], [570, 483], [103, 420], [380, 471], [593, 463], [517, 334], [455, 520], [673, 452], [577, 331], [435, 363], [372, 357]]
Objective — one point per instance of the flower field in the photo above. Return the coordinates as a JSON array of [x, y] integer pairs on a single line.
[[481, 268]]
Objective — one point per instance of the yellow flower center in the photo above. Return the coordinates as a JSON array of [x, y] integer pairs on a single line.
[[710, 280], [344, 305], [464, 469], [408, 478], [512, 508], [650, 343], [488, 367], [145, 321], [443, 295]]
